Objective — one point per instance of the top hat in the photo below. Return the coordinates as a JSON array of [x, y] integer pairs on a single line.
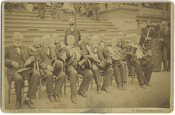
[[133, 49], [116, 58], [104, 64]]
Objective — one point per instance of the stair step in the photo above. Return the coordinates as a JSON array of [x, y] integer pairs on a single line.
[[46, 16], [30, 26], [55, 22], [29, 40], [50, 32], [44, 30], [51, 19], [56, 26]]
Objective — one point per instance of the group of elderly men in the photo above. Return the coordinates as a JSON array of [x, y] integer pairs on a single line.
[[50, 59]]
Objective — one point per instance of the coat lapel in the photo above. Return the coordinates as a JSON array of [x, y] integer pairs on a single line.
[[22, 51], [15, 50]]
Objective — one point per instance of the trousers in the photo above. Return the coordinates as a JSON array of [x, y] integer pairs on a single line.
[[107, 77], [96, 75], [60, 79], [165, 57], [147, 68], [72, 76], [139, 72], [33, 79], [120, 73], [87, 77]]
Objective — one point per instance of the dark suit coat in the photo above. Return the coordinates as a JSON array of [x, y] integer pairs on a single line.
[[60, 52], [103, 54], [11, 54], [75, 33], [165, 36], [44, 58], [144, 33]]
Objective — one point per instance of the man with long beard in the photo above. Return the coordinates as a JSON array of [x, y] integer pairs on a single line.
[[18, 61]]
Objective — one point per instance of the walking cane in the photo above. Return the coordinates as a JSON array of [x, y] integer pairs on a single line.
[[37, 67], [65, 80]]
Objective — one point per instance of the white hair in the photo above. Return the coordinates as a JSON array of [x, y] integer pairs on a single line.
[[17, 35], [70, 39], [46, 36]]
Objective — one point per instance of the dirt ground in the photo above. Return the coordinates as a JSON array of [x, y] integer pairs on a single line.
[[157, 95]]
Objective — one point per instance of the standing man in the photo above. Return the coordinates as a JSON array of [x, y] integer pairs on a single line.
[[41, 10], [146, 35], [18, 60], [51, 67], [96, 11], [72, 30], [165, 35]]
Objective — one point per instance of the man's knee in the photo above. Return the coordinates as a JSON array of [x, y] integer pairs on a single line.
[[48, 72], [94, 67], [89, 74], [110, 70], [18, 77], [58, 64], [73, 72], [36, 73], [62, 75]]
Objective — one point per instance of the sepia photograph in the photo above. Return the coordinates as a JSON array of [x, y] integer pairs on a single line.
[[87, 56]]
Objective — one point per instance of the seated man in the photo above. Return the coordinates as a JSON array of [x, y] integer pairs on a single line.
[[17, 60], [147, 65], [51, 67], [119, 65], [90, 50], [137, 59], [74, 62], [36, 45], [105, 62]]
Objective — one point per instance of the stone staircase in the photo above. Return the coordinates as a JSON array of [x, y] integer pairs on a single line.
[[31, 26]]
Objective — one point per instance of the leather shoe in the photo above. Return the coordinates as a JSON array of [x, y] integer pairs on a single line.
[[98, 91], [124, 85], [57, 99], [18, 104], [148, 84], [143, 86], [106, 90], [119, 86], [73, 99], [51, 99], [29, 103], [80, 92]]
